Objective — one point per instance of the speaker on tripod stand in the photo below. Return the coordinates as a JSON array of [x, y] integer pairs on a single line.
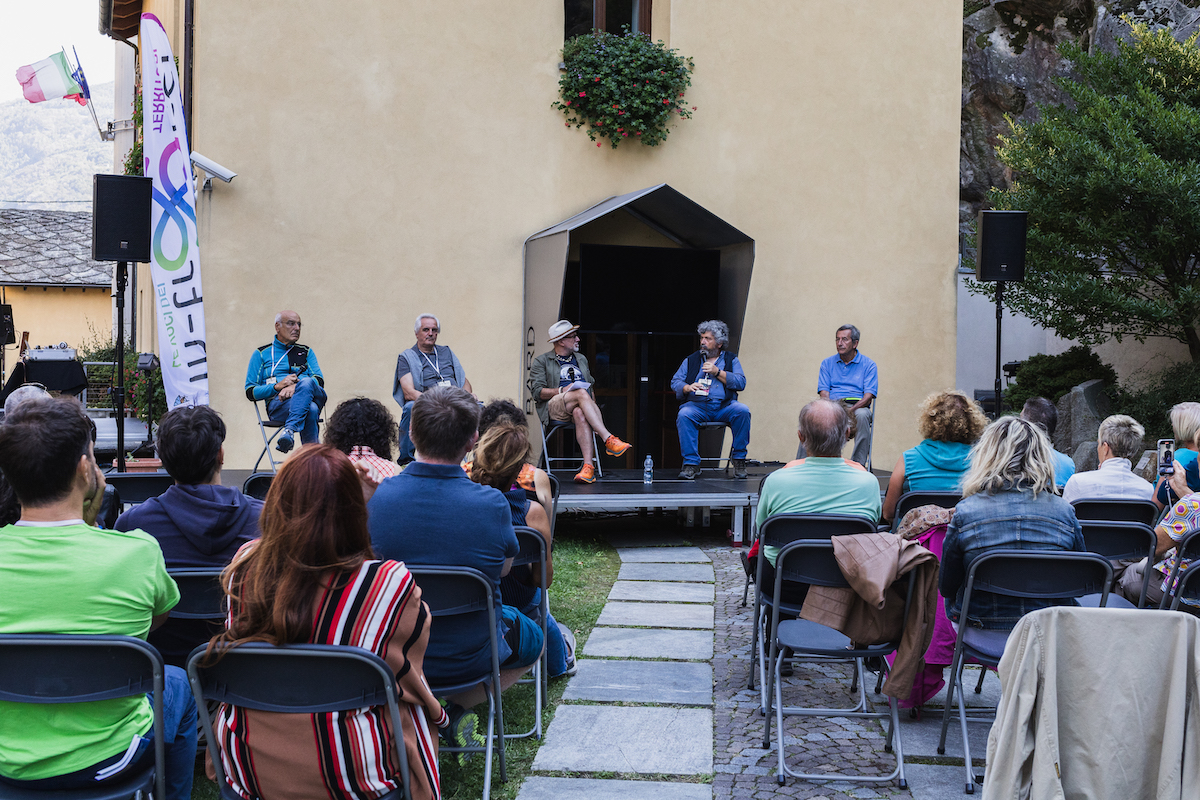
[[1000, 238]]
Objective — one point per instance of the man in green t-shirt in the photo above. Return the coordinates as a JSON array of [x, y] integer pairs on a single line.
[[59, 574]]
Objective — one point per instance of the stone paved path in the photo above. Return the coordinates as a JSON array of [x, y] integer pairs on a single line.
[[661, 696]]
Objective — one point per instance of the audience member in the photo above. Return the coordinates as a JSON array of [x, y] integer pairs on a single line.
[[1042, 412], [561, 385], [313, 579], [530, 478], [1008, 502], [421, 367], [850, 378], [949, 423], [707, 385], [1118, 442], [1185, 426], [1181, 518], [198, 522], [286, 374], [433, 514], [10, 507], [821, 483], [365, 431], [500, 454], [59, 574]]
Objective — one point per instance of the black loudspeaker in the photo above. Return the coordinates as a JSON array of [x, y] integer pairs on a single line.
[[121, 218], [1000, 245], [8, 332]]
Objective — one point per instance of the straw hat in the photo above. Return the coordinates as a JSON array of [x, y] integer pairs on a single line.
[[560, 329]]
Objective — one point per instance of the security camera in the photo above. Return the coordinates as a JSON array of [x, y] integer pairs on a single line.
[[213, 168]]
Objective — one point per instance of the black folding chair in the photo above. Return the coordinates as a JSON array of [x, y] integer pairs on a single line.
[[534, 554], [138, 487], [753, 538], [1143, 511], [1043, 575], [910, 500], [462, 591], [296, 679], [715, 461], [1120, 541], [257, 485], [1187, 549], [265, 423], [1189, 587], [813, 562], [61, 668], [779, 530], [196, 618]]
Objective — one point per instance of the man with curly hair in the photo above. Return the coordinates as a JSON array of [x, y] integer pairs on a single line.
[[707, 384]]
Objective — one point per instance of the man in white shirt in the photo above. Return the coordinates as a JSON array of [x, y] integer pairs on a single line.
[[1118, 443]]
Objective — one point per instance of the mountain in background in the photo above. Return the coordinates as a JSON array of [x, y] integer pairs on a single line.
[[49, 152]]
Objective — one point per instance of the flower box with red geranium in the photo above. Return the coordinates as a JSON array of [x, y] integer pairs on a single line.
[[623, 87]]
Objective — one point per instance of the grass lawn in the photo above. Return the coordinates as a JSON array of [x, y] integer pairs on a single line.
[[585, 567]]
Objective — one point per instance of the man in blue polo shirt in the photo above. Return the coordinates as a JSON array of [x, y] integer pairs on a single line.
[[852, 379]]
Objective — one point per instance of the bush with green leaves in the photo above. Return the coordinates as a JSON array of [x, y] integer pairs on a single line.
[[1053, 376], [623, 87], [1150, 401], [1111, 181]]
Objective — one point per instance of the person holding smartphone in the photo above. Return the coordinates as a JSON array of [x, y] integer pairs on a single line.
[[1185, 424]]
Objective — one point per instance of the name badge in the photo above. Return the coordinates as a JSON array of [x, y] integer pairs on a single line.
[[702, 389], [443, 383]]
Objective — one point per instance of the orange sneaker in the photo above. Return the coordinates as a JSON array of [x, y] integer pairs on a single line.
[[586, 475], [615, 447]]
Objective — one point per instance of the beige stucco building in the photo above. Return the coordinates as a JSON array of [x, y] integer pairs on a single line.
[[394, 158]]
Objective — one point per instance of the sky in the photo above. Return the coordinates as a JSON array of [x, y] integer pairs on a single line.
[[31, 30]]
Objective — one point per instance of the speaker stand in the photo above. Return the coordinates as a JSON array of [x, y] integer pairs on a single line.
[[999, 316], [122, 266]]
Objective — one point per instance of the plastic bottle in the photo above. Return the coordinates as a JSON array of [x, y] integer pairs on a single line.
[[648, 470]]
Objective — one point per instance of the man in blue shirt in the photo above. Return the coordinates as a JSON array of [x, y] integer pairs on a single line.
[[707, 383], [286, 375], [852, 379], [1041, 411]]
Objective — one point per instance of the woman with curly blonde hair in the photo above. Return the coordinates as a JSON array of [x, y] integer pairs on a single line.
[[949, 423]]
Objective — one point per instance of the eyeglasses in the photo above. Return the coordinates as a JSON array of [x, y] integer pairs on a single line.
[[288, 324]]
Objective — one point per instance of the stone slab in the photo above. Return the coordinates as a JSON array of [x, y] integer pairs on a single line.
[[648, 741], [683, 645], [920, 737], [937, 782], [662, 555], [662, 591], [538, 788], [656, 615], [699, 573], [663, 682]]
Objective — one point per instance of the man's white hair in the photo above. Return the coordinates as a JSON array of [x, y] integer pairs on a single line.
[[417, 324], [279, 318]]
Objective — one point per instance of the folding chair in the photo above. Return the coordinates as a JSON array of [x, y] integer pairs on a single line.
[[138, 487], [296, 679], [554, 490], [61, 668], [558, 426], [728, 457], [462, 591], [813, 562], [910, 500], [753, 538], [1120, 541], [1030, 574], [533, 553], [1187, 549], [199, 614], [1188, 587], [263, 424], [1143, 511], [256, 485], [777, 531]]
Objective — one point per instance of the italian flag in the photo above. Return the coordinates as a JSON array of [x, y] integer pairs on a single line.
[[50, 78]]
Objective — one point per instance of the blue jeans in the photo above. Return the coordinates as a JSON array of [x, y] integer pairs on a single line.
[[556, 647], [301, 411], [408, 450], [179, 732], [735, 414]]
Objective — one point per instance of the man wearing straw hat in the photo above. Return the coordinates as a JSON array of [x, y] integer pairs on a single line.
[[561, 385]]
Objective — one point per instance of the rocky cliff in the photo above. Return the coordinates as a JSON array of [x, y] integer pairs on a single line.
[[1010, 57]]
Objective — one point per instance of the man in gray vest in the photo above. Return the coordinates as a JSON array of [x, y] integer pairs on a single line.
[[418, 369]]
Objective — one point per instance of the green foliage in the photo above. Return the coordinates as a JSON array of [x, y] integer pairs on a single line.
[[1054, 376], [1150, 403], [971, 6], [623, 86], [1111, 181], [134, 158], [138, 385]]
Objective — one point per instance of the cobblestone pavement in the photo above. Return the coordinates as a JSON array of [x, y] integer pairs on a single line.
[[741, 767]]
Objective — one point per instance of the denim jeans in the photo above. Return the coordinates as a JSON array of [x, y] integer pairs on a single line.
[[556, 647], [179, 733], [735, 414], [301, 411]]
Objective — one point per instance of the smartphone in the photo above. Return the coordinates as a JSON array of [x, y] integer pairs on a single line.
[[1166, 456]]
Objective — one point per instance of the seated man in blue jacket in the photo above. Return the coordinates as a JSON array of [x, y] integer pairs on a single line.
[[707, 383], [286, 375]]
